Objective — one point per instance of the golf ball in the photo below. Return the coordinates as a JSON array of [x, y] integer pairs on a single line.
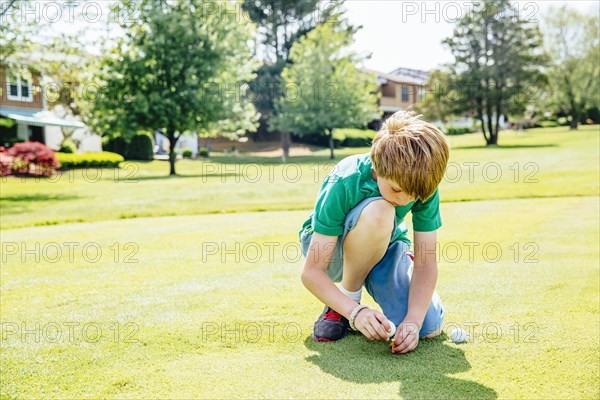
[[392, 331], [458, 335]]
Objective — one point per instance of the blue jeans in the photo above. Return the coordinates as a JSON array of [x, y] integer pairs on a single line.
[[389, 280]]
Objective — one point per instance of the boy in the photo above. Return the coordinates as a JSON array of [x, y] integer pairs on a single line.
[[356, 235]]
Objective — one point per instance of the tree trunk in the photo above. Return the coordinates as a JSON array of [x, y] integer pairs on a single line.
[[490, 124], [487, 140], [495, 132], [286, 141], [172, 154], [499, 110], [574, 118], [573, 104], [331, 155]]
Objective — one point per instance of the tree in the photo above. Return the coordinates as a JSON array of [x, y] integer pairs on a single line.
[[69, 67], [280, 23], [179, 69], [438, 102], [16, 38], [498, 62], [324, 88], [573, 46]]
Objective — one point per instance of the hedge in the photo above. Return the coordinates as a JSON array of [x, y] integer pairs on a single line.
[[546, 124], [116, 144], [354, 137], [103, 159], [203, 152], [141, 147], [68, 147], [458, 130]]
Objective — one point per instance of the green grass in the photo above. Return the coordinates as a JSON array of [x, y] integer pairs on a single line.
[[538, 163], [189, 279]]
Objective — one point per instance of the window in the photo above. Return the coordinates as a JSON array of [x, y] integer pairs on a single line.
[[13, 89], [19, 89], [404, 94], [388, 90]]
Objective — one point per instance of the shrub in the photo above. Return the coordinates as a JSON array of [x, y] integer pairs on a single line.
[[103, 159], [116, 144], [318, 139], [187, 153], [32, 159], [141, 147], [203, 152], [68, 147], [457, 130], [593, 114], [547, 124], [6, 122], [353, 137], [5, 162]]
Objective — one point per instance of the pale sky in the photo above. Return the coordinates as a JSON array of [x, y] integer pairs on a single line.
[[409, 33], [398, 33]]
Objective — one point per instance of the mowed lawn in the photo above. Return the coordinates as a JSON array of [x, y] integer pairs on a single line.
[[188, 287]]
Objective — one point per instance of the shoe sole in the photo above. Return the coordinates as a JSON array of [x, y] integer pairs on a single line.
[[318, 339]]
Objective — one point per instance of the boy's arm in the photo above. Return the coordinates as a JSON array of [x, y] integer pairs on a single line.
[[316, 280], [421, 289], [424, 277]]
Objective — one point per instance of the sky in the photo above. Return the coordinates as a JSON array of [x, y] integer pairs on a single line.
[[410, 33], [396, 33]]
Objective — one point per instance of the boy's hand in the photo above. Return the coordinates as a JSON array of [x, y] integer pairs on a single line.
[[406, 338], [372, 324]]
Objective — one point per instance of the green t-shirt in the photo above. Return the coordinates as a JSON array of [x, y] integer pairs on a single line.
[[350, 182]]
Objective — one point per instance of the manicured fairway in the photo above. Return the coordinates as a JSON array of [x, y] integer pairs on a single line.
[[210, 305], [534, 163]]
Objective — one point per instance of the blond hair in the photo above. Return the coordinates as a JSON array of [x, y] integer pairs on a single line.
[[411, 153]]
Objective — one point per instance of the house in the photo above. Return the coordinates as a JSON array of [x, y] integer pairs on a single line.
[[161, 148], [400, 89], [23, 101]]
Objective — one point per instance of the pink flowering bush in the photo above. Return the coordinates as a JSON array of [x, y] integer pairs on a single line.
[[32, 159], [5, 162]]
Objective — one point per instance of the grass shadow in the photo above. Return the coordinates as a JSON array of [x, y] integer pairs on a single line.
[[422, 373], [38, 197], [19, 203], [178, 176], [249, 159], [508, 146]]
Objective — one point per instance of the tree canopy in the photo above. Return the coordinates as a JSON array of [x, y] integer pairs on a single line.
[[324, 89], [279, 24], [498, 64], [573, 45], [178, 70]]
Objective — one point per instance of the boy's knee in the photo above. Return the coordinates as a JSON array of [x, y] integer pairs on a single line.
[[379, 216]]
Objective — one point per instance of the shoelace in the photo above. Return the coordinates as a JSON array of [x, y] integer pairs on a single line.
[[332, 315]]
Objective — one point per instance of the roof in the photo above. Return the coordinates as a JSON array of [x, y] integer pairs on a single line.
[[39, 118], [411, 75], [399, 78]]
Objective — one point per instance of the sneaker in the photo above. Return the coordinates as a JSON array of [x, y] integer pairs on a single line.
[[330, 326]]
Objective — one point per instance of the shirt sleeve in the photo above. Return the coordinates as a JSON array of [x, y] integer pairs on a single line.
[[426, 215], [331, 207]]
